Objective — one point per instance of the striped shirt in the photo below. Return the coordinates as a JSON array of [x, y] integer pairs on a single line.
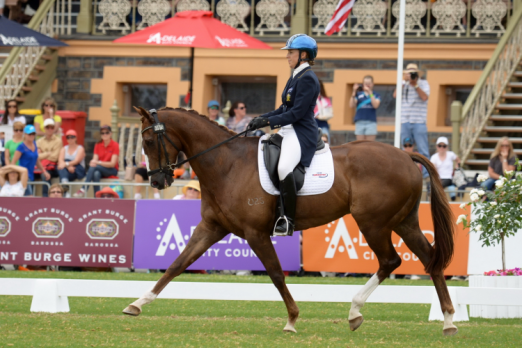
[[414, 109]]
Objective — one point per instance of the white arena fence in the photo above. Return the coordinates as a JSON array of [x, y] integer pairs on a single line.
[[51, 295]]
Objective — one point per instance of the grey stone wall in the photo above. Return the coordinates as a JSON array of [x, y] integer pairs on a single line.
[[74, 76]]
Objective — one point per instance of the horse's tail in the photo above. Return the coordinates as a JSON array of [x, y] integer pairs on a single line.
[[442, 220]]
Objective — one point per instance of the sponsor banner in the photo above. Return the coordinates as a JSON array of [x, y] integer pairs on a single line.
[[340, 247], [159, 39], [66, 232], [19, 41], [163, 229]]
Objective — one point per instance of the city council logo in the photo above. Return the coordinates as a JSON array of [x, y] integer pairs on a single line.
[[102, 229], [48, 227], [5, 226]]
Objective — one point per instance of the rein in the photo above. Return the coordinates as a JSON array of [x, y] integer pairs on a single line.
[[159, 129]]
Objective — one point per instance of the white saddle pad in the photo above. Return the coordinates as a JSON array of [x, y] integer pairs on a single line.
[[319, 176]]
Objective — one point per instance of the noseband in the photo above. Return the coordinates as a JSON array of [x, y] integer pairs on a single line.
[[159, 129]]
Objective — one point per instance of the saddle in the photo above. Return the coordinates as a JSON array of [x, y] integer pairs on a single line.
[[272, 152]]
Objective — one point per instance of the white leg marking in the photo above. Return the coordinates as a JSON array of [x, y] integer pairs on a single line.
[[361, 297], [448, 321], [147, 298]]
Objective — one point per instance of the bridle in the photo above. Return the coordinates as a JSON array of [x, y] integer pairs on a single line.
[[159, 129]]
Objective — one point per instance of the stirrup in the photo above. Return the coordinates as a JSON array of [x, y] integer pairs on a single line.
[[287, 232]]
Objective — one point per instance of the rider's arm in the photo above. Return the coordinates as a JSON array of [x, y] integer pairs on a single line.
[[277, 111], [304, 97]]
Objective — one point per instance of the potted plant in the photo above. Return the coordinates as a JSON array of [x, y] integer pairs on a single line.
[[496, 217]]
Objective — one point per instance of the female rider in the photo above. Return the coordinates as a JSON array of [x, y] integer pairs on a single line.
[[296, 119]]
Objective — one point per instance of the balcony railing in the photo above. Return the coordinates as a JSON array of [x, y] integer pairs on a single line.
[[266, 18]]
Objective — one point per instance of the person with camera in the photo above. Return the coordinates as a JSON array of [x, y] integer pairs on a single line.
[[414, 111], [366, 102]]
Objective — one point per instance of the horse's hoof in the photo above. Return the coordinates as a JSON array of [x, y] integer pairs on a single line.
[[450, 331], [355, 323], [132, 310], [289, 328]]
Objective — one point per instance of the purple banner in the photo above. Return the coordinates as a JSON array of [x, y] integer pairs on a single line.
[[163, 228]]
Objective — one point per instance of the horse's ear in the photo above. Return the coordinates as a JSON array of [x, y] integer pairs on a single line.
[[144, 113]]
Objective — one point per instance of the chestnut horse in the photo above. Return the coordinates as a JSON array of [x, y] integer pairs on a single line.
[[378, 184]]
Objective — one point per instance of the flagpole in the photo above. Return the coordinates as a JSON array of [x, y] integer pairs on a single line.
[[400, 64]]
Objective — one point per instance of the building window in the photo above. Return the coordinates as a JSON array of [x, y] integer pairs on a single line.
[[148, 96], [453, 93], [259, 98], [386, 110]]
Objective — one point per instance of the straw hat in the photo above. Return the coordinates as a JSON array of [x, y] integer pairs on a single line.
[[412, 67], [192, 184], [107, 190]]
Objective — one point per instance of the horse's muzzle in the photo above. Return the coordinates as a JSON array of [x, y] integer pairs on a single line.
[[160, 181]]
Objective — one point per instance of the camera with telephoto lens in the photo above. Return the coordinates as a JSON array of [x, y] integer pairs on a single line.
[[359, 89], [414, 75]]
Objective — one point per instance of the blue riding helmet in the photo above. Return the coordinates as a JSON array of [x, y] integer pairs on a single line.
[[302, 42]]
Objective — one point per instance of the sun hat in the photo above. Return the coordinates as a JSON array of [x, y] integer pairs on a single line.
[[29, 129], [443, 140], [71, 132], [107, 190], [412, 67], [48, 122], [213, 103], [192, 184]]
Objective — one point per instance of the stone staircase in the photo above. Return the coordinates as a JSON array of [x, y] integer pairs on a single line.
[[506, 120]]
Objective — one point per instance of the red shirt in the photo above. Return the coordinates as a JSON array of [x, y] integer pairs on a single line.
[[105, 153]]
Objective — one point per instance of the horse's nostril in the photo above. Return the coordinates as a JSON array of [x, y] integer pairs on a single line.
[[154, 184]]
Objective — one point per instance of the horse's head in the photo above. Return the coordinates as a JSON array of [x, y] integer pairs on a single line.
[[156, 153]]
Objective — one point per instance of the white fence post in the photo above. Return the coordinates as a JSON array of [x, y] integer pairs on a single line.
[[46, 297]]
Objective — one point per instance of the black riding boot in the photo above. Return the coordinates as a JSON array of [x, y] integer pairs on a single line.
[[285, 224]]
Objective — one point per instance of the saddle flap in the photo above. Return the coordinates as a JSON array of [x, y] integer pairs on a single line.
[[271, 154]]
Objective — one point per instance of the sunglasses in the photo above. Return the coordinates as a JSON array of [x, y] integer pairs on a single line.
[[49, 127], [31, 134], [56, 192], [504, 145], [106, 195], [70, 137], [214, 108], [104, 133], [408, 145], [442, 146], [49, 105], [242, 108], [12, 106], [191, 189], [18, 130]]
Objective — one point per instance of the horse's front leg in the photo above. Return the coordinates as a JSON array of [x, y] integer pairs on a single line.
[[205, 235], [262, 245]]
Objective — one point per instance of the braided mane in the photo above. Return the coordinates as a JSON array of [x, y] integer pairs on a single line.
[[195, 113]]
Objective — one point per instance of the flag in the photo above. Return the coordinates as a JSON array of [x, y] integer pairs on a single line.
[[340, 15]]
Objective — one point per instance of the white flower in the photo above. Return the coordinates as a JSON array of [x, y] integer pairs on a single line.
[[509, 172], [478, 228], [499, 183], [493, 203], [481, 193], [482, 178], [463, 206], [474, 197], [473, 191], [461, 219], [496, 216]]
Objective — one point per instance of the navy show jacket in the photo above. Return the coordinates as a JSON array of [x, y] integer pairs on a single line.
[[299, 98]]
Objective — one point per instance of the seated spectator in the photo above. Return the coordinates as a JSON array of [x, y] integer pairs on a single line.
[[48, 108], [13, 180], [190, 191], [104, 163], [407, 145], [444, 162], [11, 113], [502, 159], [238, 120], [141, 176], [49, 148], [56, 191], [213, 112], [107, 192], [12, 145], [26, 155], [71, 162]]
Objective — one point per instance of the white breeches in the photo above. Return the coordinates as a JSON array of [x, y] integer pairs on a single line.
[[290, 152]]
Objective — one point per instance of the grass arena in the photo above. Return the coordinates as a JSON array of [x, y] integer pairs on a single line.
[[98, 322]]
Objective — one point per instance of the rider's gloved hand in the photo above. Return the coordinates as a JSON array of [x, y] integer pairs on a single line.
[[258, 122]]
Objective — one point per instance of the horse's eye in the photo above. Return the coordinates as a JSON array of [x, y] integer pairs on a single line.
[[148, 142]]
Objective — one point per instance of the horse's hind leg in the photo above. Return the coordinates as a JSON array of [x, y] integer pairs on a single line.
[[381, 244], [205, 235], [264, 249], [412, 235]]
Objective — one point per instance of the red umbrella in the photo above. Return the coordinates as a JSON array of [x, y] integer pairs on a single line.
[[193, 29]]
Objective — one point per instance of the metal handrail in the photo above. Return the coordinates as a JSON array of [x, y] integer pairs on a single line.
[[117, 183]]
